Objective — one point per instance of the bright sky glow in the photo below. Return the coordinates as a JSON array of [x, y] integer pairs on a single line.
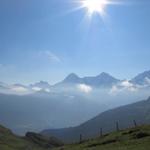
[[95, 5]]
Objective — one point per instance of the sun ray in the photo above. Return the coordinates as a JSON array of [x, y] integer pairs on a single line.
[[95, 6]]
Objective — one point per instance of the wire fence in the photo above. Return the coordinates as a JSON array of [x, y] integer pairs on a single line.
[[101, 134]]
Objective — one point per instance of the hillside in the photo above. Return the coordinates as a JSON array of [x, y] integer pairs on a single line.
[[140, 112], [32, 141], [130, 139]]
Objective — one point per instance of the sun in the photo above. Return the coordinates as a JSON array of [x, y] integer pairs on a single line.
[[95, 6]]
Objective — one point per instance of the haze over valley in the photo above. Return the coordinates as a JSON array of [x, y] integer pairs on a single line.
[[68, 103]]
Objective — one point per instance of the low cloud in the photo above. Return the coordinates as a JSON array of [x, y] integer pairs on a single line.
[[114, 90], [19, 89], [84, 88], [147, 80], [36, 89], [126, 83], [123, 87]]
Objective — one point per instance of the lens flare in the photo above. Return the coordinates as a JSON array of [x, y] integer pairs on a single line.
[[95, 6]]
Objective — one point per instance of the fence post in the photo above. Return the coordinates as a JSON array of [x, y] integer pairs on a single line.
[[101, 132], [135, 124], [117, 126], [80, 138]]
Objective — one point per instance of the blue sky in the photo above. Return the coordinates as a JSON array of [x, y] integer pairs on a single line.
[[44, 40]]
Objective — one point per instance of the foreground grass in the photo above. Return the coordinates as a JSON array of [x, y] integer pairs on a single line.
[[130, 139], [9, 141]]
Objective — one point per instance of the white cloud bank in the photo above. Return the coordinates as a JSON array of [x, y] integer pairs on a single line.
[[19, 89], [36, 89], [84, 88], [123, 86]]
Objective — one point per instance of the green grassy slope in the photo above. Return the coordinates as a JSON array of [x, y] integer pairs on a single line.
[[130, 139], [9, 141]]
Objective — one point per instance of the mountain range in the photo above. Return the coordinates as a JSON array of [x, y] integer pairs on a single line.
[[68, 103], [103, 80]]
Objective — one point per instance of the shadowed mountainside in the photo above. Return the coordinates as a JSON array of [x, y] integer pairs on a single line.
[[124, 115]]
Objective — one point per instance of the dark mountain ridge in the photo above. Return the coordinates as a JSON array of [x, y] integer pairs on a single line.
[[140, 112]]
